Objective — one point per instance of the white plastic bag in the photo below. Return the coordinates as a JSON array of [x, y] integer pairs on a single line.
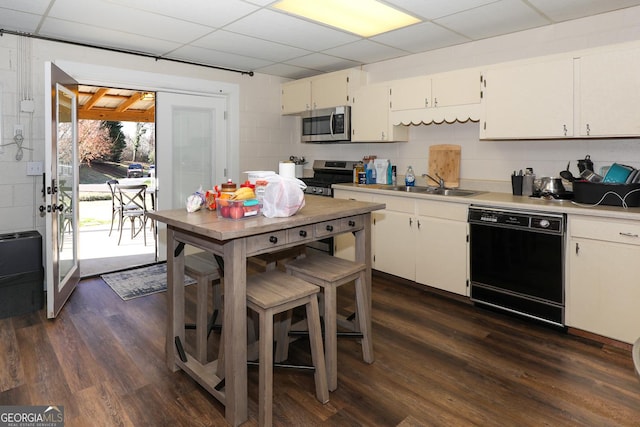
[[283, 197]]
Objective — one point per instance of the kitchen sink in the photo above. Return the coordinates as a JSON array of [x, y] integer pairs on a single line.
[[432, 190]]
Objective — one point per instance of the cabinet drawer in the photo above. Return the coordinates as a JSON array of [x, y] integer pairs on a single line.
[[299, 234], [611, 230], [264, 241], [351, 223], [327, 228], [444, 210], [395, 203]]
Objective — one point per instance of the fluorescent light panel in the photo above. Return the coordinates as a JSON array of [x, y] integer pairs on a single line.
[[365, 18]]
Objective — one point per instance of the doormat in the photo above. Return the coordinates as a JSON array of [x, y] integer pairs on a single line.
[[139, 282]]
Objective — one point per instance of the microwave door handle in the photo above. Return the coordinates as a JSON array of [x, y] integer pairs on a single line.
[[331, 124]]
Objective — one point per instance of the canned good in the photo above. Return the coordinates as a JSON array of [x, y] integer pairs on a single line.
[[362, 177]]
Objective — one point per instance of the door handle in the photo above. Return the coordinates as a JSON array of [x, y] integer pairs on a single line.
[[577, 248]]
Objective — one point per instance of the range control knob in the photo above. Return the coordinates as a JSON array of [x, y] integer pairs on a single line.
[[544, 223]]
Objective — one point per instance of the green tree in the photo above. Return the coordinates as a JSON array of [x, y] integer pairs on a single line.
[[118, 140], [141, 129]]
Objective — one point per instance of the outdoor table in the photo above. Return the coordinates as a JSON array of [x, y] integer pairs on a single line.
[[234, 241]]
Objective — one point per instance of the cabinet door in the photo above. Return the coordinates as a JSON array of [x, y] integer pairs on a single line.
[[610, 94], [394, 244], [370, 114], [296, 96], [410, 94], [441, 254], [330, 90], [533, 100], [455, 88], [603, 291]]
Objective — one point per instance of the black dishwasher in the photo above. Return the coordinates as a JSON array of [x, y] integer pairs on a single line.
[[516, 260]]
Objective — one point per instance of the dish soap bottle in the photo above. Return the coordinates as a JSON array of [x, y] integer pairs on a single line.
[[410, 177]]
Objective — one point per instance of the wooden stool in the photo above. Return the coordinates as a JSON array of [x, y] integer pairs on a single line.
[[203, 267], [329, 272], [269, 294]]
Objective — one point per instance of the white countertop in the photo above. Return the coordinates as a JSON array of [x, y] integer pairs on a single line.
[[506, 200]]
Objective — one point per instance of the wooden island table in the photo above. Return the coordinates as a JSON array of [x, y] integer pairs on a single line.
[[234, 241]]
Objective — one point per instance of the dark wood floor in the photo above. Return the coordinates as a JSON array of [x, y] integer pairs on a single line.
[[439, 362]]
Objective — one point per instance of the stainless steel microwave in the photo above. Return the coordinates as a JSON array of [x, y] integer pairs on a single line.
[[327, 125]]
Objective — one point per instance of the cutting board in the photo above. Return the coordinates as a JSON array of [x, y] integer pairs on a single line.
[[444, 160]]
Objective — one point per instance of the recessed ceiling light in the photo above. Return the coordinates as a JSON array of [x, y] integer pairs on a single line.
[[365, 18]]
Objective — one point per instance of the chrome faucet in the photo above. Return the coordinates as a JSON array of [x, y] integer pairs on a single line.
[[439, 181]]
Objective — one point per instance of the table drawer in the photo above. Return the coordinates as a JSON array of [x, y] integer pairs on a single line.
[[327, 228], [611, 230], [264, 241], [352, 223], [300, 234]]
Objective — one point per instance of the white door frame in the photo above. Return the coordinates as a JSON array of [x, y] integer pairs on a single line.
[[99, 75]]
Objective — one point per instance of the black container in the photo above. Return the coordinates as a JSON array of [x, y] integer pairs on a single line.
[[609, 194], [21, 273]]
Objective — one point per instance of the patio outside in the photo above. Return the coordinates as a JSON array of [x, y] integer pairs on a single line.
[[97, 251]]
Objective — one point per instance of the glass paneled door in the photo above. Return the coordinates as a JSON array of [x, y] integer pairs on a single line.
[[191, 149], [61, 188]]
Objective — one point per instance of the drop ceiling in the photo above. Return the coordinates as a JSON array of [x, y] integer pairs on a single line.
[[249, 35]]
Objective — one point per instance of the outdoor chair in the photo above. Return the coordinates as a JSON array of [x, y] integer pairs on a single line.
[[133, 206], [115, 203]]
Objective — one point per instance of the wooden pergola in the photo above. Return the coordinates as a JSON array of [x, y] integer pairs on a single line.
[[119, 105]]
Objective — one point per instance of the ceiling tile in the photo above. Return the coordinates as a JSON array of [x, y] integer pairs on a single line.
[[564, 10], [322, 62], [502, 17], [420, 38], [365, 51], [32, 6], [288, 71], [110, 16], [105, 38], [18, 21], [433, 9], [220, 59], [206, 12], [226, 41], [285, 29]]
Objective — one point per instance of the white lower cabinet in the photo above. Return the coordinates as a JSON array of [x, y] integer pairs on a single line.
[[603, 289], [442, 246], [416, 239]]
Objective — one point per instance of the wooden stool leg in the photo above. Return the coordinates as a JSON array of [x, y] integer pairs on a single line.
[[363, 310], [330, 335], [201, 319], [282, 336], [315, 339], [265, 370]]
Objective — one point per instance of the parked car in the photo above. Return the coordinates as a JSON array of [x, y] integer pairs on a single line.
[[134, 170]]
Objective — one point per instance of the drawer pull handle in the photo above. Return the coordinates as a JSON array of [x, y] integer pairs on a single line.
[[352, 223], [273, 239], [629, 234], [329, 227], [303, 233]]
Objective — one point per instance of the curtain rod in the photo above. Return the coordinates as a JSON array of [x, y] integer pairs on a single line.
[[113, 49]]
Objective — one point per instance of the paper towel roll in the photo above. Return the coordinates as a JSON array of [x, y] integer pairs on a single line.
[[287, 169]]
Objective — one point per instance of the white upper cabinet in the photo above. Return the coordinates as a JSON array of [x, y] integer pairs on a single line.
[[439, 90], [296, 96], [322, 91], [528, 101], [370, 116], [609, 93], [412, 93]]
